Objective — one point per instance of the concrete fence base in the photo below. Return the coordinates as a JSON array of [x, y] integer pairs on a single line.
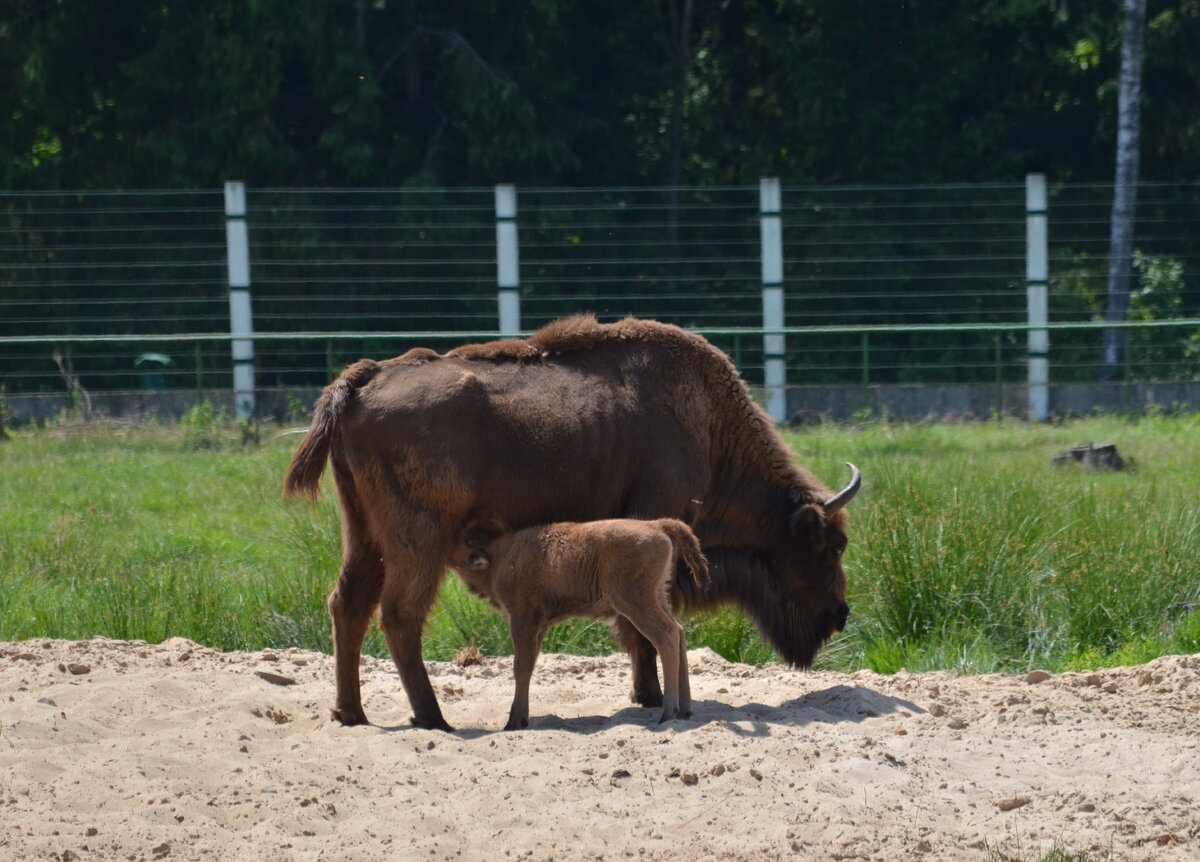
[[904, 403]]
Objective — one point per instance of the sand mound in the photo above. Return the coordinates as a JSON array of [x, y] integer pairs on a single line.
[[120, 750]]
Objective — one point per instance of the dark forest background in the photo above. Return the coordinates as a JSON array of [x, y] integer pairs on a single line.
[[901, 132], [129, 94]]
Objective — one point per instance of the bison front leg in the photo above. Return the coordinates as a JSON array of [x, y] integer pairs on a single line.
[[351, 605], [410, 588], [642, 657]]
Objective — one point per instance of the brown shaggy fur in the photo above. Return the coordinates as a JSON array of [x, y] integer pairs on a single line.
[[584, 421], [542, 575]]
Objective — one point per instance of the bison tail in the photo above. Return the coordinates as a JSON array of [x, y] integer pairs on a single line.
[[308, 463], [687, 548]]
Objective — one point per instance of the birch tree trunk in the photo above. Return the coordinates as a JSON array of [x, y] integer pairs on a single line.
[[1120, 256]]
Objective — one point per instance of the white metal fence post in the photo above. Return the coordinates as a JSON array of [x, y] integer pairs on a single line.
[[508, 278], [1037, 271], [241, 322], [774, 348]]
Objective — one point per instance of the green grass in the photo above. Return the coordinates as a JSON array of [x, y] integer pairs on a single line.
[[968, 550]]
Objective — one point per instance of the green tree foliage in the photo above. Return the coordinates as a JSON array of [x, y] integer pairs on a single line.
[[314, 94], [137, 94]]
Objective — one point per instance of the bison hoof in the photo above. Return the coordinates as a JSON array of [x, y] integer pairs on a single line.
[[437, 723], [648, 699], [347, 717], [513, 724]]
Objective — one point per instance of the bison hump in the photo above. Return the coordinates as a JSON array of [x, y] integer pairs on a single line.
[[508, 349]]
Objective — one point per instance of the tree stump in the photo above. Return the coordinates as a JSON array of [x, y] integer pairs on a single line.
[[1093, 458]]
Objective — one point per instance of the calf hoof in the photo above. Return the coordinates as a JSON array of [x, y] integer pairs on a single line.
[[347, 717], [514, 724], [437, 723]]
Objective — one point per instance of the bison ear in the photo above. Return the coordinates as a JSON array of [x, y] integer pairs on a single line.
[[808, 525], [492, 527]]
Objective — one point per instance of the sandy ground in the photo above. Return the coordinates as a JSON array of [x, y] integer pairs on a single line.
[[119, 750]]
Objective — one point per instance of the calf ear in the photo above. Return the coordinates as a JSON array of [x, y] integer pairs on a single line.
[[490, 527], [481, 531], [808, 525]]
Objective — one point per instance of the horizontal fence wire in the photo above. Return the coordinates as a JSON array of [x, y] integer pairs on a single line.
[[388, 259], [882, 284], [908, 255], [689, 256], [103, 263]]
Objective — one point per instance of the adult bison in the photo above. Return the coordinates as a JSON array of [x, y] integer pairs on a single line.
[[580, 422]]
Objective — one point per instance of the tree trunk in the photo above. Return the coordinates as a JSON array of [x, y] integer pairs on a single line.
[[1120, 256]]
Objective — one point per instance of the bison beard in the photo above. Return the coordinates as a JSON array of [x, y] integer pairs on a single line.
[[583, 421]]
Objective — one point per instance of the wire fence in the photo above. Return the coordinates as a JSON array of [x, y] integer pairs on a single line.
[[1166, 278], [907, 256], [882, 284]]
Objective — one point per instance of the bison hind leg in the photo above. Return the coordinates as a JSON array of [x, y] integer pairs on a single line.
[[351, 605], [409, 590]]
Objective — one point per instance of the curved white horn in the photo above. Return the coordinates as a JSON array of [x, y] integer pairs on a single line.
[[845, 495]]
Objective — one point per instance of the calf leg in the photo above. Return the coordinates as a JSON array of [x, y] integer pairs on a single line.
[[527, 637], [685, 685], [646, 690], [660, 629], [410, 587], [650, 500], [668, 653]]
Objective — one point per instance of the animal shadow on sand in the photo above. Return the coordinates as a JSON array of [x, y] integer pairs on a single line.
[[833, 705]]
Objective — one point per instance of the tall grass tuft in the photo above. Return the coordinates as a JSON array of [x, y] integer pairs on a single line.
[[971, 551]]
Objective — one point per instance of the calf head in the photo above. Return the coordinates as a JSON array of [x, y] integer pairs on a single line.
[[473, 551]]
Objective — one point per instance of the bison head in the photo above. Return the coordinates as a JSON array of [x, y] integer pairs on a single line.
[[807, 605]]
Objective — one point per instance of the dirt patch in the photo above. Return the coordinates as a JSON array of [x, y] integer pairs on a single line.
[[119, 750]]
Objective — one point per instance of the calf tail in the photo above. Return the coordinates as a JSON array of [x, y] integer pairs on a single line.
[[687, 548], [308, 463]]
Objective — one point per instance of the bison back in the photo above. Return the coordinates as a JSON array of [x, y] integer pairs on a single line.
[[571, 438]]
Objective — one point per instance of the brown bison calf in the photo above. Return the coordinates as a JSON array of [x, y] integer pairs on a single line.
[[542, 575]]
